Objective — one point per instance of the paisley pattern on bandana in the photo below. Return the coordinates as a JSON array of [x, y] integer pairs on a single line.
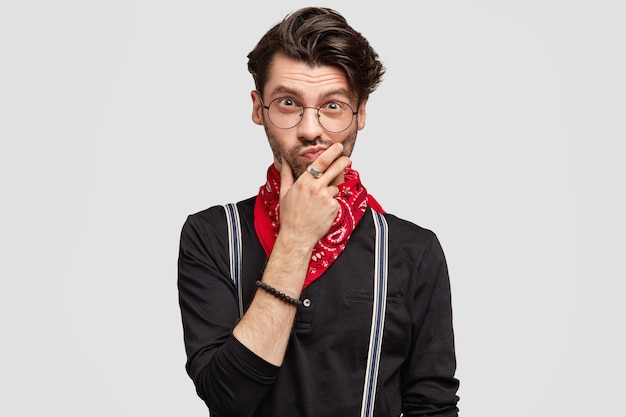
[[353, 201]]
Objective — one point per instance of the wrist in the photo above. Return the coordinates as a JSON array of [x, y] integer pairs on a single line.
[[280, 295], [293, 244]]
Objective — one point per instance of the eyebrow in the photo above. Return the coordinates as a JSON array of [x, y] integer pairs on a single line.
[[289, 91]]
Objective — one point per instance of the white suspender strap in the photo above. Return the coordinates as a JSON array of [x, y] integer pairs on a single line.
[[378, 315], [234, 249]]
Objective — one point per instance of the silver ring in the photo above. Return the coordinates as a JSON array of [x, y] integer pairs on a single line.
[[313, 171]]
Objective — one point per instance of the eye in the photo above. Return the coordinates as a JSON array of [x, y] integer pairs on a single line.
[[333, 107], [287, 102]]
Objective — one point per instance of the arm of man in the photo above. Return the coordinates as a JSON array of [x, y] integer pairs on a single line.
[[233, 368], [307, 210], [429, 383]]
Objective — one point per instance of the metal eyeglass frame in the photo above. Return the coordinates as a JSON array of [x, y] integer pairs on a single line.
[[267, 107]]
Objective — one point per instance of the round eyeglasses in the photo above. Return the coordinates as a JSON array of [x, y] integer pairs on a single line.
[[287, 112]]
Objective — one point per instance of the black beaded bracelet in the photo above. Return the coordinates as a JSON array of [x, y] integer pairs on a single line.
[[278, 294]]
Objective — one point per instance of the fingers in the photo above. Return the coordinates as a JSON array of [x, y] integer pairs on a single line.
[[286, 178], [335, 173], [331, 163], [327, 157], [308, 204]]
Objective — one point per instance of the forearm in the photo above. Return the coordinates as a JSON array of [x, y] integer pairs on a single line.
[[230, 378], [266, 326], [307, 210]]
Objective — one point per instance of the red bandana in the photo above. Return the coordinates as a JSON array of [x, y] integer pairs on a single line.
[[353, 201]]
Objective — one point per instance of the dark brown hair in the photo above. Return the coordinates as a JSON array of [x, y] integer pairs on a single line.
[[319, 36]]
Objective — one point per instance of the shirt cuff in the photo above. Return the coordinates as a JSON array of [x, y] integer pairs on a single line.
[[250, 363]]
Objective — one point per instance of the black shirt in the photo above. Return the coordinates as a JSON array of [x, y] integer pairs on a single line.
[[324, 367]]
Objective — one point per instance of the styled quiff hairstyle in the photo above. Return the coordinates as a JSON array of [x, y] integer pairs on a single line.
[[319, 36]]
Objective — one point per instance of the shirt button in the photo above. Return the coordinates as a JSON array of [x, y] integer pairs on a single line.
[[306, 302]]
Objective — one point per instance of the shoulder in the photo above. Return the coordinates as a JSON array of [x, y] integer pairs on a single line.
[[217, 213], [406, 236], [403, 229], [211, 221]]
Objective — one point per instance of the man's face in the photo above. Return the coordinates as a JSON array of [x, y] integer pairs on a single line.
[[313, 87]]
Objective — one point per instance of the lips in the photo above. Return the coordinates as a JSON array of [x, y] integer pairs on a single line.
[[311, 154]]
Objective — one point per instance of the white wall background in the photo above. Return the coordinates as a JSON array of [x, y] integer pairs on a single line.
[[119, 118]]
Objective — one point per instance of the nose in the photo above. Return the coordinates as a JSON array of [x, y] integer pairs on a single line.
[[309, 127]]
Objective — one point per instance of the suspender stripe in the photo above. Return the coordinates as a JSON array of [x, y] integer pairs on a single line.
[[234, 246], [378, 315]]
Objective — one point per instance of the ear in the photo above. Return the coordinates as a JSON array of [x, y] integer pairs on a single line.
[[257, 107], [361, 115]]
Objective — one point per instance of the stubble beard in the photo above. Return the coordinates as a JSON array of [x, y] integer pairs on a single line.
[[298, 166]]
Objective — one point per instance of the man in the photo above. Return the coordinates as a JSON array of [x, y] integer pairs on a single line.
[[307, 299]]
